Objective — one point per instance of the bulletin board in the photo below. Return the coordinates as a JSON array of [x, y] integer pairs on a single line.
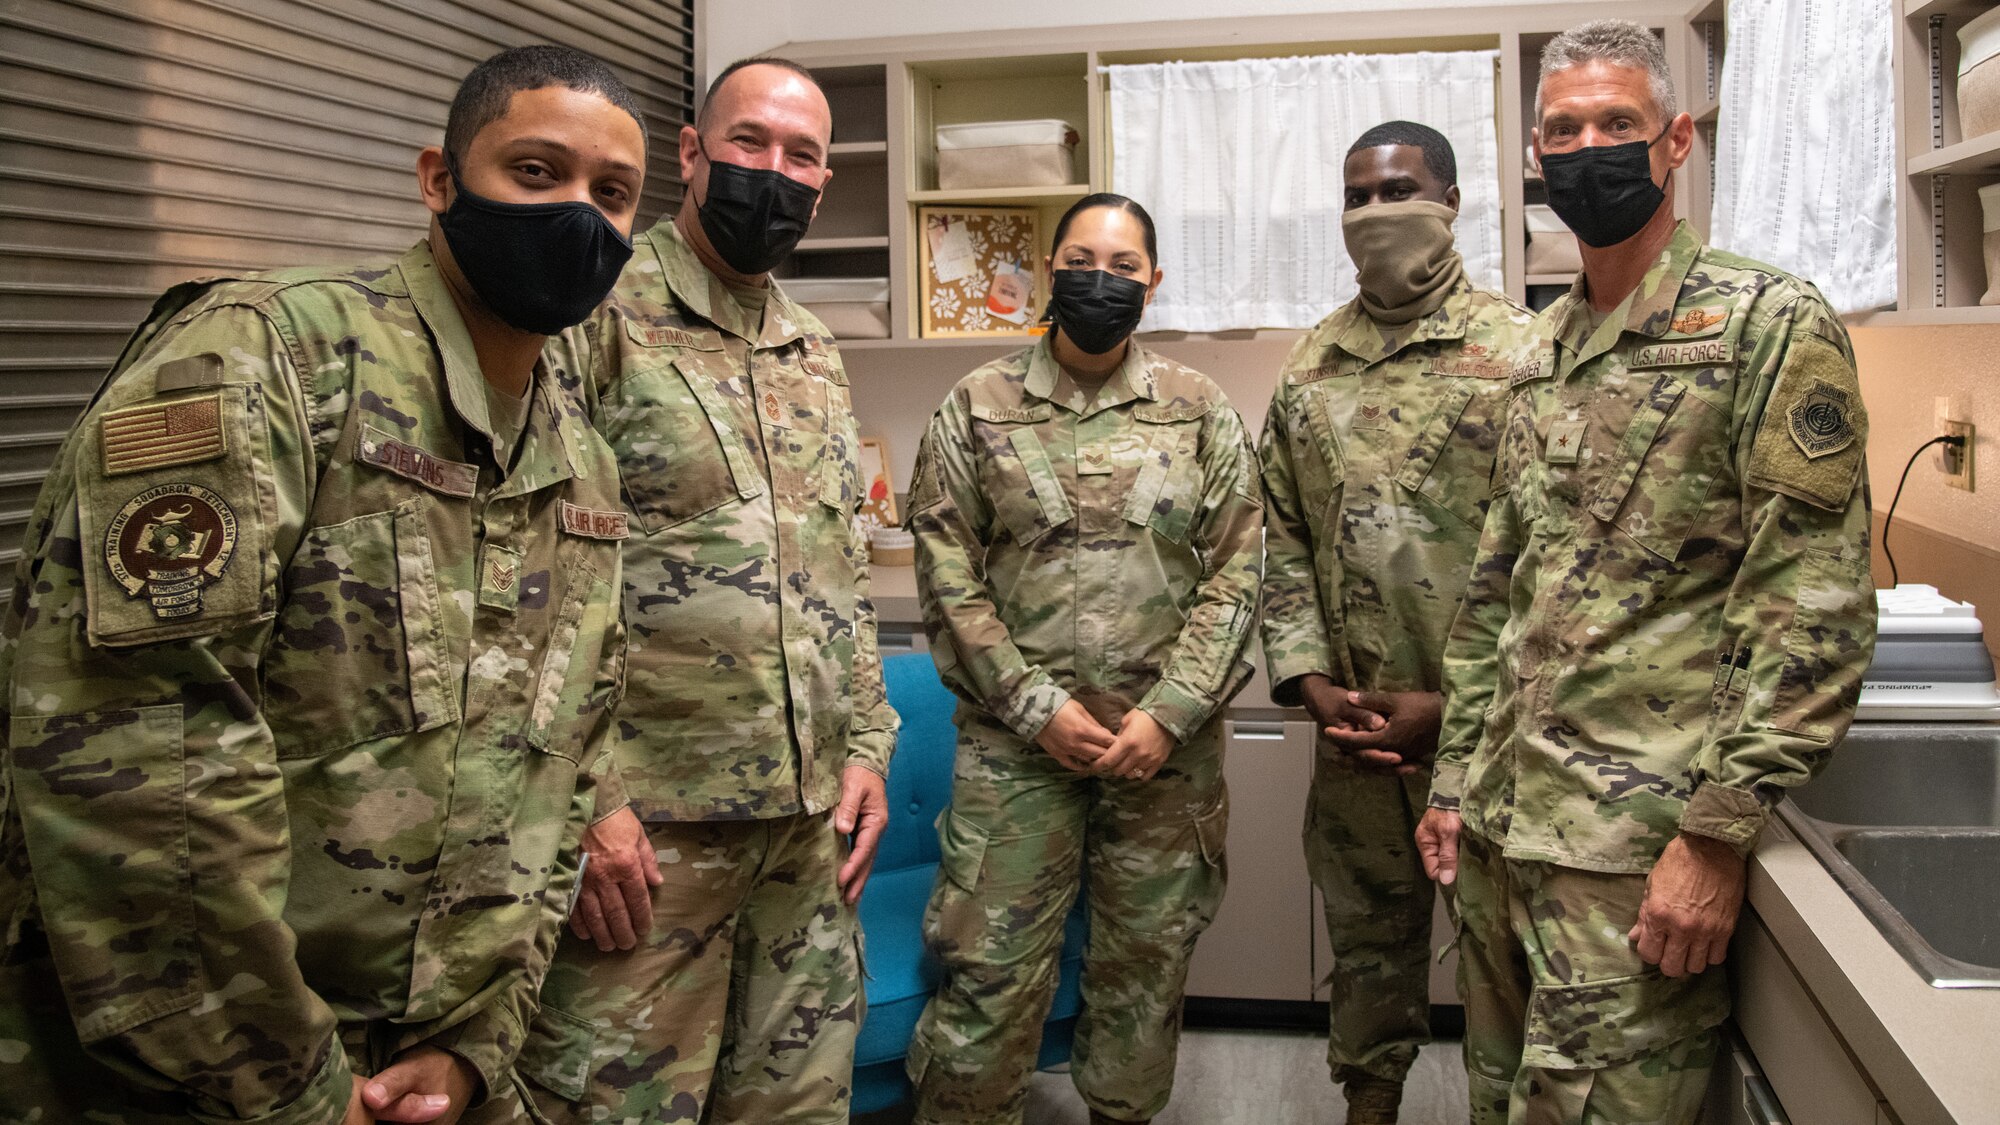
[[978, 269]]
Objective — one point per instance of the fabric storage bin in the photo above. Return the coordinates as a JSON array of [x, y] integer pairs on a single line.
[[1979, 75], [853, 308], [1551, 246], [1003, 154]]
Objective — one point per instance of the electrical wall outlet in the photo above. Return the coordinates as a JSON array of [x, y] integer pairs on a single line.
[[1954, 461], [1959, 475]]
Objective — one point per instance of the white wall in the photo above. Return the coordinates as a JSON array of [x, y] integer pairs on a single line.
[[727, 30], [731, 29]]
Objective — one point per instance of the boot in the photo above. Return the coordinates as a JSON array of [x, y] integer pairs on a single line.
[[1372, 1101]]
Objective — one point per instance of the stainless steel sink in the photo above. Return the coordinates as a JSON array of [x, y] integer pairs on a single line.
[[1909, 774], [1907, 819]]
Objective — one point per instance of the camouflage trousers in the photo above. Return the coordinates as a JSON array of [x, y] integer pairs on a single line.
[[1022, 835], [1360, 839], [47, 1078], [740, 1006], [1565, 1025]]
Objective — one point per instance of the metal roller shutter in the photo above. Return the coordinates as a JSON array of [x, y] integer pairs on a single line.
[[145, 142]]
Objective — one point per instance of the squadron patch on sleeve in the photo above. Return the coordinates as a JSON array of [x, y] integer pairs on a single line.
[[1819, 421], [169, 542], [1810, 441]]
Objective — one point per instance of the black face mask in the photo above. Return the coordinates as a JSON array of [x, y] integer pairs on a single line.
[[1604, 193], [540, 267], [753, 216], [1096, 309]]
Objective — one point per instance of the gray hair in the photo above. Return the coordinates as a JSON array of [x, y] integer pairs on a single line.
[[1614, 41]]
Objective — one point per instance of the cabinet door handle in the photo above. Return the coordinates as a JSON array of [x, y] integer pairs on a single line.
[[1260, 731], [1761, 1102]]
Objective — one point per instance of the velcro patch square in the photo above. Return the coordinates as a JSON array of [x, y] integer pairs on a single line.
[[1565, 446]]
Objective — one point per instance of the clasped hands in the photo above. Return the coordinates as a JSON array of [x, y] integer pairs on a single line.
[[1134, 752], [1383, 732]]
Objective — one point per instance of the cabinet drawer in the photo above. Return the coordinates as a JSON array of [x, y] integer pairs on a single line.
[[1805, 1062]]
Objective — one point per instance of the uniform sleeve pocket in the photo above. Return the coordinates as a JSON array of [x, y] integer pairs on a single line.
[[106, 791], [359, 652], [1821, 678], [1211, 641], [1605, 1023], [559, 1052]]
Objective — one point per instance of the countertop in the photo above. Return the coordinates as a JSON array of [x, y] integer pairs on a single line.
[[1922, 1046]]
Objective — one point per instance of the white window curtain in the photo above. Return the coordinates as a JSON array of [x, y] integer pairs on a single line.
[[1805, 161], [1240, 164]]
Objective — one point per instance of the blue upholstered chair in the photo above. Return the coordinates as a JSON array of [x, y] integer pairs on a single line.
[[902, 975]]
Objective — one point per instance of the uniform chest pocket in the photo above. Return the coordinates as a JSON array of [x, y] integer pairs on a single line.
[[1026, 494], [840, 483], [359, 651], [681, 452], [1322, 465], [1167, 488], [1450, 463], [1657, 483], [567, 693]]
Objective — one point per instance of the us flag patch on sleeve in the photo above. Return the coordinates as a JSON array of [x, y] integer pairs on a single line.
[[161, 435]]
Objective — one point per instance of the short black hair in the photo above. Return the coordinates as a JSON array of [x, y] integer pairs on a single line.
[[701, 115], [485, 93], [1438, 157], [1113, 200]]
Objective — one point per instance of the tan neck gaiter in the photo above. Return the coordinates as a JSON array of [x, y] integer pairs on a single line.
[[1404, 257]]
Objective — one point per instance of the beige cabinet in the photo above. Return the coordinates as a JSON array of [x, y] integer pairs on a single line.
[[1809, 1073], [1260, 947], [1269, 941]]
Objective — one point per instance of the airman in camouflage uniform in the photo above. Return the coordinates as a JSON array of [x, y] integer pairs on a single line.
[[754, 703], [310, 664], [1378, 454], [1667, 626], [1098, 548]]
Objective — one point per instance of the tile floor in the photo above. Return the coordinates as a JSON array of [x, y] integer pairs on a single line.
[[1255, 1078]]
